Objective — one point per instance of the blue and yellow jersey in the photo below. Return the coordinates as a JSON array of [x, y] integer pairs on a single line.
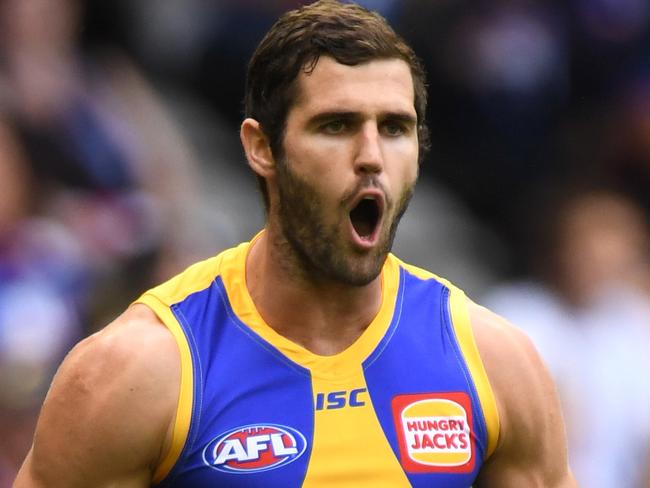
[[408, 404]]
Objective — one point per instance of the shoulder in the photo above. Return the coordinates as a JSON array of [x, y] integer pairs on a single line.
[[111, 403], [133, 356], [501, 344], [125, 371], [532, 442]]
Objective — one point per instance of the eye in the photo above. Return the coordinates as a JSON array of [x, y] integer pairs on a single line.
[[334, 127], [393, 129]]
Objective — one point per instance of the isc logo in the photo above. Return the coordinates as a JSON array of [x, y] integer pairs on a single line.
[[339, 399], [254, 448]]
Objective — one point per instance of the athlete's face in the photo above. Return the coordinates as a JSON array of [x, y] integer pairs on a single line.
[[350, 164]]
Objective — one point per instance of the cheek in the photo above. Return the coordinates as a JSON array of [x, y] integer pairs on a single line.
[[404, 169], [305, 156], [403, 150], [318, 164], [411, 172]]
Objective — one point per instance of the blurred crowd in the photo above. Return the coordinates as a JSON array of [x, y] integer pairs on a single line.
[[120, 164]]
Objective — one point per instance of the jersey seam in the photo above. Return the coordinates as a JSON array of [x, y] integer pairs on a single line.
[[197, 406]]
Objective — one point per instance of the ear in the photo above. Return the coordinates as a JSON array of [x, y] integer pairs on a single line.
[[257, 148]]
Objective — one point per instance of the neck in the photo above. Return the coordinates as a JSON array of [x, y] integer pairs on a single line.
[[323, 316]]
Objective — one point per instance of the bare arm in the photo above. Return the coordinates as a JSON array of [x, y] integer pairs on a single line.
[[106, 419], [532, 448]]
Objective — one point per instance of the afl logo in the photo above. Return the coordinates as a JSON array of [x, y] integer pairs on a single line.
[[254, 448]]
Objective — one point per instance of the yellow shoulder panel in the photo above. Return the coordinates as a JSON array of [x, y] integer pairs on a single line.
[[195, 278], [186, 394], [465, 336]]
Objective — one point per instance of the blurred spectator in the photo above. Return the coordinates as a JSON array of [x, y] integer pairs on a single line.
[[589, 315], [41, 276], [109, 162]]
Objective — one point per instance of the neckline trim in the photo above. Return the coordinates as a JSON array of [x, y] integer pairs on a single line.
[[339, 366]]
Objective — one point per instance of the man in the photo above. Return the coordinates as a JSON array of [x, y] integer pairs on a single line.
[[310, 356]]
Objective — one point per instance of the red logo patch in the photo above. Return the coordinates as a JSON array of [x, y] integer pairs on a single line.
[[435, 432]]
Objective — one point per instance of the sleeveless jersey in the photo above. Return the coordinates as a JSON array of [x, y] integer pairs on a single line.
[[407, 404]]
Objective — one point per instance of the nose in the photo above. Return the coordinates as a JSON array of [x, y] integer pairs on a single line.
[[368, 157]]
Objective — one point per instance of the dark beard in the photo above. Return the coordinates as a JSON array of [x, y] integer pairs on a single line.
[[321, 253]]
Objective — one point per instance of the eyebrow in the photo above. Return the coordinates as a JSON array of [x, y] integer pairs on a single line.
[[323, 117], [403, 117]]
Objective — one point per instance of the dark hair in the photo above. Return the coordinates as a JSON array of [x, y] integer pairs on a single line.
[[348, 33]]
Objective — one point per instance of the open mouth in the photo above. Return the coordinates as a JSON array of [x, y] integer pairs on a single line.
[[365, 216]]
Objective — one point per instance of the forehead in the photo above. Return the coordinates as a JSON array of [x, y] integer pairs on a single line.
[[384, 85]]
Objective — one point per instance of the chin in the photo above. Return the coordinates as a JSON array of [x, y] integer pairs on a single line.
[[362, 272]]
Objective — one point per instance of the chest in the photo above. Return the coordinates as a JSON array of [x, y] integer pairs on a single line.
[[406, 414]]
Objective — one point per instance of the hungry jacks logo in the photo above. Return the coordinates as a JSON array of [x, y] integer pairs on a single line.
[[434, 432]]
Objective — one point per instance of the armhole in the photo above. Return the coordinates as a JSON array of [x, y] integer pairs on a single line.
[[186, 394], [465, 337]]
